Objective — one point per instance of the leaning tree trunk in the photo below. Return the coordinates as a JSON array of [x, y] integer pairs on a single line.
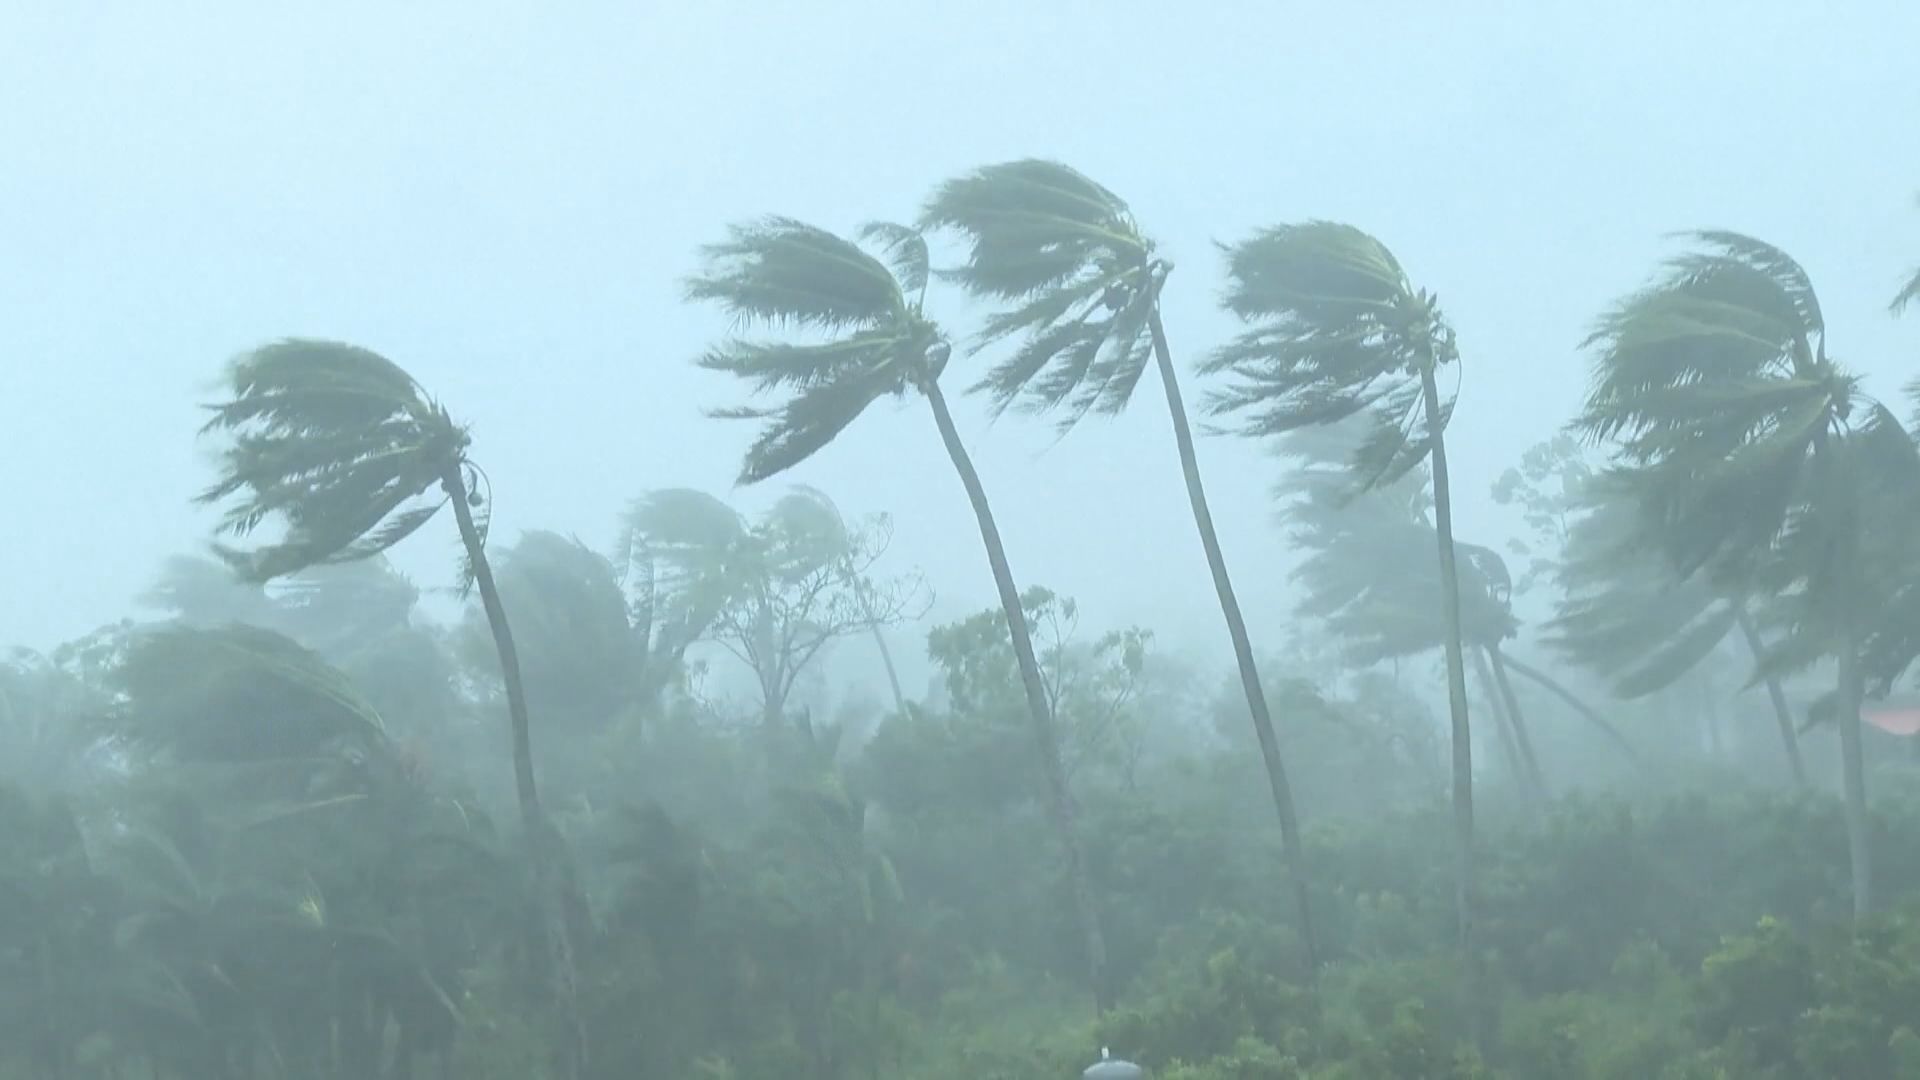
[[1456, 660], [862, 593], [1465, 891], [543, 839], [1250, 684], [893, 673], [1512, 701], [1503, 726], [1853, 778], [1782, 712], [1552, 686], [1060, 799]]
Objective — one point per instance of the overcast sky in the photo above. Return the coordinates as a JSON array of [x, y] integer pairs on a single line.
[[504, 197]]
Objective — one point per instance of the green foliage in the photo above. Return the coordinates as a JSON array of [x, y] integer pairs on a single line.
[[1551, 486], [786, 274], [1369, 571], [774, 592], [337, 443], [1337, 331], [1626, 613], [1083, 280]]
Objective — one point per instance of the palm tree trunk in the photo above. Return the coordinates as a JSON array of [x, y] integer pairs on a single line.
[[1060, 799], [543, 840], [879, 639], [1250, 684], [1464, 886], [1776, 694], [1512, 701], [893, 674], [1853, 778], [1503, 725], [1587, 712]]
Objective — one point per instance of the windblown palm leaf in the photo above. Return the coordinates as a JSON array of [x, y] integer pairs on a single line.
[[571, 625], [694, 546], [786, 274], [1628, 616], [1083, 280], [337, 443], [1337, 331], [1369, 571], [238, 694], [1715, 385], [1908, 294]]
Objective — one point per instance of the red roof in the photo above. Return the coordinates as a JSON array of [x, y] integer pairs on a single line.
[[1894, 720]]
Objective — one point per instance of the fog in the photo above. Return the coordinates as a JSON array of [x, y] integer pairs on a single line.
[[508, 200], [505, 201]]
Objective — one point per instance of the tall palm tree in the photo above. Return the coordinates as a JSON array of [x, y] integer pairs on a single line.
[[349, 453], [1085, 286], [875, 341], [1337, 331], [1757, 457]]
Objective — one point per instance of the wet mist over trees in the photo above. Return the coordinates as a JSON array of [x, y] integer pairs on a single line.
[[1626, 793], [283, 825]]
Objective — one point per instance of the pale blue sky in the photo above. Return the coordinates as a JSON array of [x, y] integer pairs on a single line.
[[504, 196]]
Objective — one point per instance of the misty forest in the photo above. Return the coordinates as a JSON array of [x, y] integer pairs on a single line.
[[729, 786]]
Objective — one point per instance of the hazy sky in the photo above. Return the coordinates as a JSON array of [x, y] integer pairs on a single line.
[[503, 197]]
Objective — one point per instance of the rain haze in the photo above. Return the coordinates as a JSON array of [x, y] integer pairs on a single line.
[[508, 200]]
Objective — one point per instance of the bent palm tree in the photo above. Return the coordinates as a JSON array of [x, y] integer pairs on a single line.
[[1338, 331], [877, 343], [1757, 457], [352, 456], [1086, 287]]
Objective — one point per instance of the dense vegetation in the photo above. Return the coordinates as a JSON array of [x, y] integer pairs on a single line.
[[286, 826]]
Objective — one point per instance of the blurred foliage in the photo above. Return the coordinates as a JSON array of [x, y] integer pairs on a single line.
[[231, 858]]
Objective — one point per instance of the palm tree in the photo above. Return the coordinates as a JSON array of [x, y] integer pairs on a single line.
[[1908, 294], [351, 455], [875, 342], [1085, 286], [1756, 457], [1338, 331]]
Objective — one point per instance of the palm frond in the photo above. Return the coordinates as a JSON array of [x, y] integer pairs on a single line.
[[1336, 332], [1714, 386], [1908, 294], [786, 273], [1370, 572], [1626, 613], [333, 441], [237, 694], [905, 250], [782, 273], [695, 543], [1081, 280]]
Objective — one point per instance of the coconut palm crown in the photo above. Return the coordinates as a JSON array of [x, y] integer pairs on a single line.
[[1337, 331], [337, 443], [873, 340], [1082, 280]]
